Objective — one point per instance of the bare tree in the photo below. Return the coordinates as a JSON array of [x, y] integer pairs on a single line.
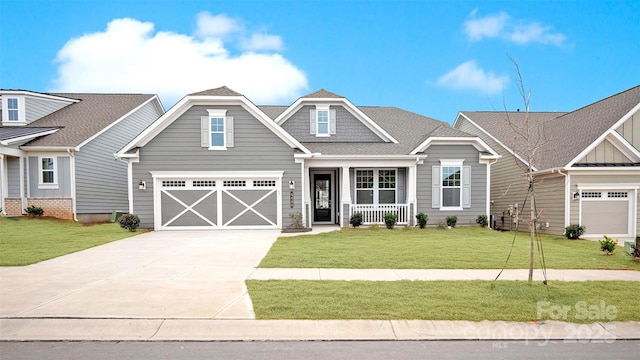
[[528, 142]]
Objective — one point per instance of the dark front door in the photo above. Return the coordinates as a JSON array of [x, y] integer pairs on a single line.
[[322, 201]]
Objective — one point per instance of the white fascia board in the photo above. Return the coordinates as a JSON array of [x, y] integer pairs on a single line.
[[476, 142], [597, 142], [188, 101], [48, 148], [26, 137], [216, 174], [37, 94], [114, 123], [607, 186], [12, 152], [364, 119], [363, 161], [508, 149]]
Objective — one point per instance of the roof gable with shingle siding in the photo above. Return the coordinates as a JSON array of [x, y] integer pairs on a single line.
[[86, 118]]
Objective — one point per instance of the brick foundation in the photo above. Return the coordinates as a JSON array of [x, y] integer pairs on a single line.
[[12, 206], [61, 208]]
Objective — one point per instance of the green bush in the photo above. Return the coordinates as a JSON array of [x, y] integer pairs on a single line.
[[296, 221], [390, 219], [574, 231], [356, 219], [129, 222], [34, 211], [452, 220], [422, 220], [608, 245], [482, 220]]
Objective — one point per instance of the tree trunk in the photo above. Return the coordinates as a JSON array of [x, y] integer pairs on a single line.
[[533, 234]]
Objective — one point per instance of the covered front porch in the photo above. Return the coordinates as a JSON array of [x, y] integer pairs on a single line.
[[332, 194]]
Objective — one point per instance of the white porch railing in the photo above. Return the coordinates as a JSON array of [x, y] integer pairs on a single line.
[[374, 213]]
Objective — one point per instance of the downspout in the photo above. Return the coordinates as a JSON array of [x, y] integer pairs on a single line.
[[129, 181], [73, 184], [489, 187]]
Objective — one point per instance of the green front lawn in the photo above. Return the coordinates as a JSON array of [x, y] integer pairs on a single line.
[[25, 241], [431, 248], [445, 300]]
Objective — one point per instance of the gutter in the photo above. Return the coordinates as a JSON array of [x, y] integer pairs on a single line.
[[73, 184]]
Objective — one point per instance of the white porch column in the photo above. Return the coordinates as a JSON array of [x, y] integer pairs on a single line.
[[412, 187], [3, 182], [345, 194], [23, 199], [306, 194]]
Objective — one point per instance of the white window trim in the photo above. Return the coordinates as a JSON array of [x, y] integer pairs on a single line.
[[450, 163], [376, 188], [218, 113], [41, 183], [326, 108], [21, 110]]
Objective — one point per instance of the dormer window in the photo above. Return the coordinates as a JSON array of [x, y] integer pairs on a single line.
[[13, 110], [216, 130], [322, 121]]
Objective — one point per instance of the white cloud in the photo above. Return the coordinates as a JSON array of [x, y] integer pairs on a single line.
[[129, 56], [520, 32], [216, 25], [468, 76], [489, 26], [262, 42]]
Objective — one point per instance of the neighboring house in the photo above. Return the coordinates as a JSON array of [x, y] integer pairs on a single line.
[[56, 151], [215, 160], [587, 172]]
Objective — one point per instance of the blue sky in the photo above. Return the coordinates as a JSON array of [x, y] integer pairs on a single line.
[[431, 57]]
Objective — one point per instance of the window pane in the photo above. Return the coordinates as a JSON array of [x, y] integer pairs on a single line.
[[47, 177], [364, 196], [323, 128], [450, 176], [47, 163], [12, 104], [450, 197], [323, 116], [364, 179], [387, 196], [217, 139], [217, 124], [387, 179], [13, 115]]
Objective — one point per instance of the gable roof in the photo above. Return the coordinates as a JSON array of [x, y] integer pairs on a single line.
[[323, 94], [82, 120], [566, 135], [13, 134], [222, 95]]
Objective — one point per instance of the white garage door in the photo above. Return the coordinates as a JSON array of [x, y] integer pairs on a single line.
[[606, 212], [202, 202]]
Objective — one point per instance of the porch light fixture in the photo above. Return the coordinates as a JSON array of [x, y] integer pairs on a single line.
[[576, 195], [292, 185], [142, 185]]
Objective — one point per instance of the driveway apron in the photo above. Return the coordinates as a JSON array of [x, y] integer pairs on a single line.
[[167, 274]]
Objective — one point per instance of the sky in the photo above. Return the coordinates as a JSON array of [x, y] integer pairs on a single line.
[[435, 58]]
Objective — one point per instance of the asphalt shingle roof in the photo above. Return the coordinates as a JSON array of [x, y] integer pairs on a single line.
[[14, 132], [80, 121], [563, 135], [221, 91]]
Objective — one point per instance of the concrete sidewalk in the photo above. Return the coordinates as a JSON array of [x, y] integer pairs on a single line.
[[440, 274], [304, 330]]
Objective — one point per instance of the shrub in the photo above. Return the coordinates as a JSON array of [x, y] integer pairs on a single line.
[[296, 221], [482, 220], [441, 225], [422, 220], [608, 245], [356, 219], [129, 222], [34, 211], [635, 250], [390, 219], [574, 231], [452, 220]]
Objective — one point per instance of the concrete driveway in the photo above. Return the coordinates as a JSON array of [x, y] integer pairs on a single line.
[[168, 274]]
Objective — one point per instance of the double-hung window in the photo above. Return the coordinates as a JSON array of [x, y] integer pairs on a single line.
[[12, 109], [376, 186], [48, 177], [322, 123], [451, 185], [217, 130]]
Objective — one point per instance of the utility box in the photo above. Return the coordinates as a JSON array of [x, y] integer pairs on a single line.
[[115, 215]]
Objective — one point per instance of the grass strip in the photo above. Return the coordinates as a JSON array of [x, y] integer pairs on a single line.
[[586, 302]]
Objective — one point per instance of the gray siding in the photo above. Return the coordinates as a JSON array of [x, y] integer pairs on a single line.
[[13, 177], [471, 158], [549, 193], [508, 182], [348, 128], [63, 173], [178, 148], [630, 130], [101, 181], [37, 108]]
